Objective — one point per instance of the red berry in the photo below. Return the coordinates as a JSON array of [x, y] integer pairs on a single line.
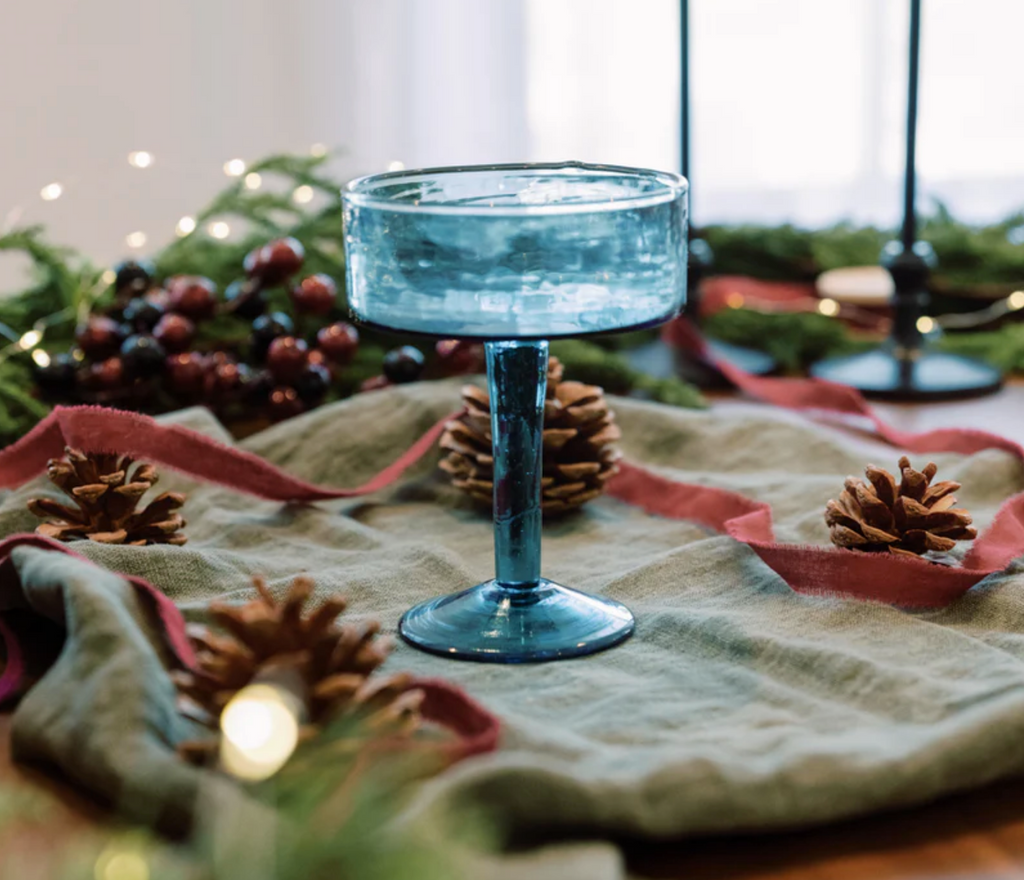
[[315, 295], [99, 337], [108, 374], [185, 374], [284, 403], [275, 261], [457, 357], [194, 296], [174, 332], [225, 378], [287, 358], [339, 342]]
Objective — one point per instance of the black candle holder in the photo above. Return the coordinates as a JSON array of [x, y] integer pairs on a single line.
[[904, 368], [700, 370]]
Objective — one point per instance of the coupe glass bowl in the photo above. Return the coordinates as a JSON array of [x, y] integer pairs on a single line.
[[514, 255]]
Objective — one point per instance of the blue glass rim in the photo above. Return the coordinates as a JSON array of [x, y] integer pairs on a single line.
[[357, 192]]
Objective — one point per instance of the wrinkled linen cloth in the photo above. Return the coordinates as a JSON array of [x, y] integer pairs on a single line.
[[738, 704]]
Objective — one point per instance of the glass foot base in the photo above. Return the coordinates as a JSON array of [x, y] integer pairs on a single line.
[[496, 624]]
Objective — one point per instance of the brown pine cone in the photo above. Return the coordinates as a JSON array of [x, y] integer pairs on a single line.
[[908, 519], [106, 502], [271, 640], [579, 437]]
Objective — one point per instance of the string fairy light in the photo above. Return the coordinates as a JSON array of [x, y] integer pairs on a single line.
[[185, 226], [121, 861], [828, 307], [218, 229], [51, 192], [318, 150], [396, 165], [140, 159], [302, 194], [260, 727], [234, 167], [253, 180], [135, 240]]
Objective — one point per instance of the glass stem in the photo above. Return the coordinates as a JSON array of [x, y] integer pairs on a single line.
[[517, 377]]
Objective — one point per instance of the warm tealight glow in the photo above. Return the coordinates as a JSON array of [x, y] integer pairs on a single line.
[[51, 191], [396, 165], [253, 180], [925, 324], [135, 239], [116, 863], [186, 226], [302, 195], [219, 229], [30, 339], [318, 151], [1015, 300], [261, 729], [828, 307], [140, 159], [41, 358], [234, 167]]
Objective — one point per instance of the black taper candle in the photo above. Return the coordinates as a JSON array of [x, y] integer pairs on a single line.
[[684, 89], [909, 189]]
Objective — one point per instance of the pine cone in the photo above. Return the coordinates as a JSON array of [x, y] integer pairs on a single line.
[[579, 455], [908, 519], [106, 500], [334, 662]]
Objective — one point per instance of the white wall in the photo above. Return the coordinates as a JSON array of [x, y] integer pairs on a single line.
[[197, 82]]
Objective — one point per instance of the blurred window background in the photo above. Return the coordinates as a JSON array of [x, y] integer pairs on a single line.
[[797, 104]]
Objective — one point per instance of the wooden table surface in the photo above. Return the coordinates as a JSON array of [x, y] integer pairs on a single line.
[[976, 834]]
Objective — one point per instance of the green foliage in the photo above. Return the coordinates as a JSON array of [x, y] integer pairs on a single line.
[[588, 362], [968, 256], [265, 214], [795, 339], [1003, 348], [64, 286]]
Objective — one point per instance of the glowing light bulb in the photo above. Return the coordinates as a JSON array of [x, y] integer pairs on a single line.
[[1016, 300], [925, 324], [318, 151], [828, 307], [135, 239], [41, 358], [396, 165], [234, 167], [30, 339], [186, 226], [302, 194], [219, 229], [261, 730], [51, 191], [253, 180], [140, 159]]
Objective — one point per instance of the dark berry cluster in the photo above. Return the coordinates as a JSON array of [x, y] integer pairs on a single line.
[[148, 345]]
